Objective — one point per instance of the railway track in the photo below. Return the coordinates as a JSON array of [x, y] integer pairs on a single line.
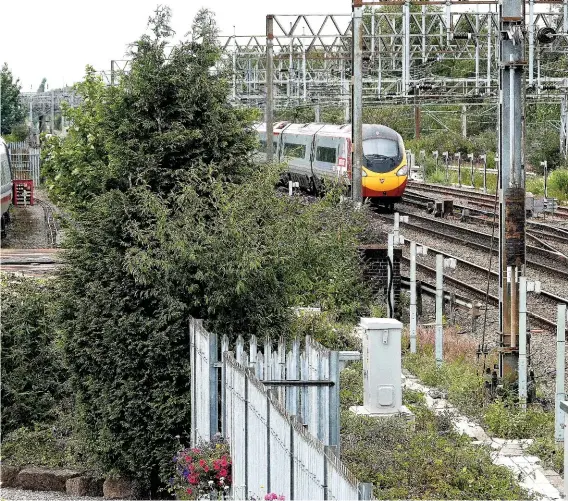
[[50, 222], [480, 199], [479, 293], [536, 230], [29, 262], [550, 298], [473, 239]]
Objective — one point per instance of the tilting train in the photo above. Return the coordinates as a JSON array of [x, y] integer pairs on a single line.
[[319, 153], [6, 182]]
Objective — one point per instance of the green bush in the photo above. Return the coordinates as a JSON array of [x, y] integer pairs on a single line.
[[34, 379], [433, 462], [506, 420]]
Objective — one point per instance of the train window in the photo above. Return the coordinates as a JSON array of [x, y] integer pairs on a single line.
[[325, 154], [4, 164], [294, 150], [380, 146]]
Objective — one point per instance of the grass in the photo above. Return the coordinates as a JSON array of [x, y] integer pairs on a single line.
[[461, 377], [432, 462], [557, 181]]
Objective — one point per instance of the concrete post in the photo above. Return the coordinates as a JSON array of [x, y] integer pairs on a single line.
[[390, 275], [439, 308], [523, 343], [484, 158], [564, 409], [560, 373], [413, 319]]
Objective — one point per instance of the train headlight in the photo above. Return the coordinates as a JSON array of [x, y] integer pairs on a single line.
[[403, 171], [363, 173]]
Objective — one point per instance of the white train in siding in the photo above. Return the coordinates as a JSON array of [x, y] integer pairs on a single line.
[[6, 183]]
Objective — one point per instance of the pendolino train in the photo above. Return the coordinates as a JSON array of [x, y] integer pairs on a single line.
[[316, 153]]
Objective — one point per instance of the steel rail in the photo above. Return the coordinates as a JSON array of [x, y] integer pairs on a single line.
[[474, 245], [494, 300], [543, 293]]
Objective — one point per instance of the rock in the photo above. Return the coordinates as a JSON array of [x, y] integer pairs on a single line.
[[45, 479], [9, 475], [120, 488], [84, 486]]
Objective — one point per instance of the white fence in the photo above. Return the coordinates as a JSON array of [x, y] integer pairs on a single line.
[[25, 161], [279, 410]]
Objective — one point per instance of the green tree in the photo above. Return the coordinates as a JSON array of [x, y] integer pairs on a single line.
[[41, 87], [11, 109]]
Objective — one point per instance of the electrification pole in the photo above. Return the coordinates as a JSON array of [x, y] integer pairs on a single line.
[[511, 180], [357, 113], [269, 87]]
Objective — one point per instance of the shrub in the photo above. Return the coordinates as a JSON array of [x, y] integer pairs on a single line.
[[34, 379], [433, 462], [202, 472], [505, 420]]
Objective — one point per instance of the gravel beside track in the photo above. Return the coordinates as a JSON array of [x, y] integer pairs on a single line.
[[543, 342], [7, 494]]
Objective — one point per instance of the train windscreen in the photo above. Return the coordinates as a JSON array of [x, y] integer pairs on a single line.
[[381, 154]]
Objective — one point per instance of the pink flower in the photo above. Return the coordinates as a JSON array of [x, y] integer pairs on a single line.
[[202, 463], [224, 461], [281, 498], [189, 491], [223, 472]]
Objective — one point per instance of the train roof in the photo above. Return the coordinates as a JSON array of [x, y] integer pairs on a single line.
[[369, 130]]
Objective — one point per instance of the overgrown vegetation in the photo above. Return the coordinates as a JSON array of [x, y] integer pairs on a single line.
[[432, 462], [34, 381], [460, 377], [171, 218]]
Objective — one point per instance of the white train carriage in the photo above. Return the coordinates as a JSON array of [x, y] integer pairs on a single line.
[[313, 152], [6, 183]]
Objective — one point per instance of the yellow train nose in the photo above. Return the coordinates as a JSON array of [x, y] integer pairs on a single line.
[[383, 185]]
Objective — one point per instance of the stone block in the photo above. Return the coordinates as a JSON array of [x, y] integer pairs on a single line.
[[45, 479], [120, 488], [84, 486], [9, 475]]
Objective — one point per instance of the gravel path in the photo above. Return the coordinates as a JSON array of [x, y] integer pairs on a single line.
[[23, 495], [27, 229]]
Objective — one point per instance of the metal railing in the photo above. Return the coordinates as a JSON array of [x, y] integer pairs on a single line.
[[279, 411], [25, 161]]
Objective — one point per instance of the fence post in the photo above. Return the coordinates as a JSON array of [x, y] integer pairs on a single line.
[[246, 435], [327, 450], [213, 386], [224, 348], [413, 319], [292, 479], [193, 363], [365, 491], [268, 470], [560, 373], [334, 414], [439, 308]]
